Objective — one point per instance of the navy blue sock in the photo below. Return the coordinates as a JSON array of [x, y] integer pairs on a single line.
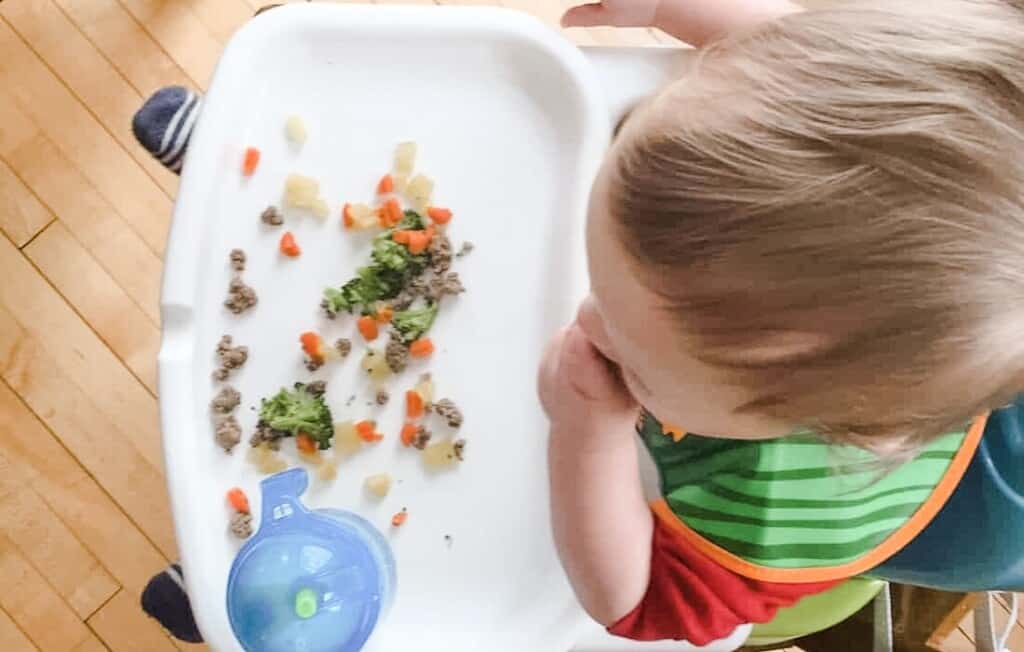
[[165, 600], [164, 124]]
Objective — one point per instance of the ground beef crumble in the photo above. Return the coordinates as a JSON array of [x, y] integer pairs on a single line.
[[422, 438], [271, 216], [226, 400], [231, 357], [382, 397], [440, 253], [241, 525], [228, 433], [317, 387], [241, 297], [447, 410], [397, 355], [344, 346], [237, 257]]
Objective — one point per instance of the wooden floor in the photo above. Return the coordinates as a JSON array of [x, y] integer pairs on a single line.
[[83, 214]]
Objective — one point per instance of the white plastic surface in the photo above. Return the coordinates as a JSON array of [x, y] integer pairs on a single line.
[[511, 123]]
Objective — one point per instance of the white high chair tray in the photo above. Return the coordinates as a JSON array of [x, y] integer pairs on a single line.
[[511, 122]]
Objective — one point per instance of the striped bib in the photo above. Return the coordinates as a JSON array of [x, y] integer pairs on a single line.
[[796, 509]]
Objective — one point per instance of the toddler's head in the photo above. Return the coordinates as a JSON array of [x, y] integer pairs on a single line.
[[822, 226]]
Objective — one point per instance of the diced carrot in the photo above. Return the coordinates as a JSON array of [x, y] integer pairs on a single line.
[[399, 519], [306, 444], [413, 404], [386, 185], [401, 237], [312, 345], [393, 210], [409, 431], [367, 326], [385, 315], [382, 216], [439, 215], [250, 161], [367, 431], [239, 501], [288, 245], [421, 348], [418, 242], [347, 218]]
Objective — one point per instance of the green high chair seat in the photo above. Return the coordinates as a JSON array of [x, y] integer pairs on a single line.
[[817, 612]]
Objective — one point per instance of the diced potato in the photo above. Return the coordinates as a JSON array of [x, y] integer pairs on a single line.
[[320, 208], [363, 216], [379, 485], [405, 159], [327, 471], [376, 366], [440, 454], [346, 439], [420, 189], [301, 191], [295, 128], [267, 460], [401, 183], [425, 388]]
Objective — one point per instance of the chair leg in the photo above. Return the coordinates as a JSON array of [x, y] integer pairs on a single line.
[[882, 607], [985, 625]]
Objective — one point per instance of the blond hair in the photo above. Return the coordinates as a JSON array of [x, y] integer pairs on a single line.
[[851, 180]]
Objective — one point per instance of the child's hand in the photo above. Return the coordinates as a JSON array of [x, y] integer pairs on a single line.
[[696, 22], [618, 13], [581, 390]]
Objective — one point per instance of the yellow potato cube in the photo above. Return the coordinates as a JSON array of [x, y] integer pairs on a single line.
[[295, 129], [320, 208], [379, 485], [301, 191], [346, 439], [375, 365], [405, 158], [441, 454]]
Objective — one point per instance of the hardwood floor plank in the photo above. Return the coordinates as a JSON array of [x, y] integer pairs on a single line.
[[16, 128], [92, 221], [22, 215], [33, 604], [92, 645], [222, 18], [88, 74], [125, 628], [180, 33], [101, 159], [126, 44], [81, 356], [12, 639], [52, 549], [95, 295]]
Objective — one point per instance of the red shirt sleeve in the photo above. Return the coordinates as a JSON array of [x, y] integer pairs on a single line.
[[692, 598]]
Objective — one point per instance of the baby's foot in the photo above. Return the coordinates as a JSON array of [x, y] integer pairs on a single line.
[[165, 599], [164, 124]]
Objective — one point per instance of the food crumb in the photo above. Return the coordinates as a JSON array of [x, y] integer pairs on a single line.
[[231, 357], [241, 525], [448, 540], [382, 397], [237, 257], [350, 401], [241, 297], [397, 355], [228, 433], [344, 346], [312, 364], [459, 448], [447, 410], [271, 216], [226, 400], [466, 249]]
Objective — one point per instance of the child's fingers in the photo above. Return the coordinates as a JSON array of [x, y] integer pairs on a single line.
[[589, 15], [590, 373]]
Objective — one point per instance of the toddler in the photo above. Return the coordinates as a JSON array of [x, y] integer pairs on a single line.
[[808, 254]]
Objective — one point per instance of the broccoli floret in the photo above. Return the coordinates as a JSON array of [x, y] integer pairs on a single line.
[[371, 283], [297, 411], [413, 324], [396, 258], [412, 221]]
